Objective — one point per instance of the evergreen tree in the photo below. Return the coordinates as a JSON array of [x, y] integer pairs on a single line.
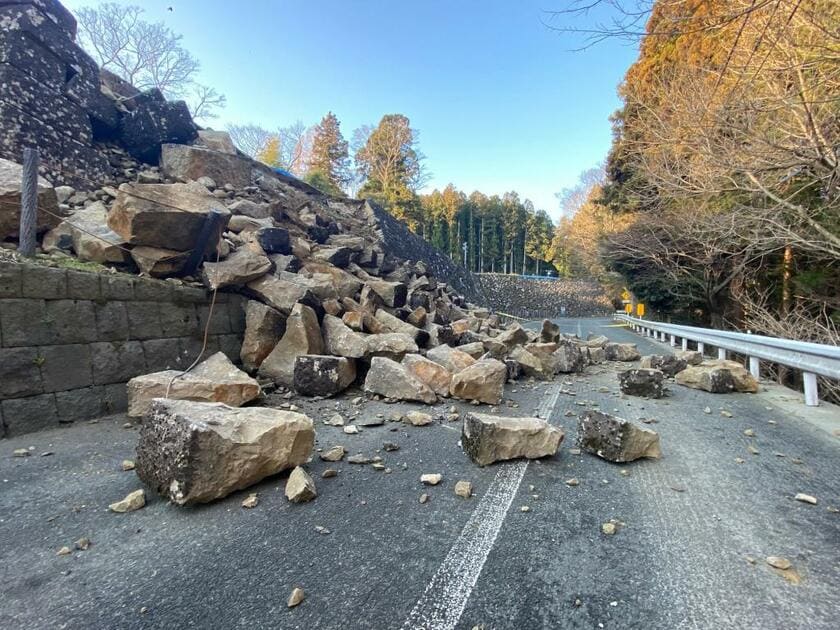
[[329, 160]]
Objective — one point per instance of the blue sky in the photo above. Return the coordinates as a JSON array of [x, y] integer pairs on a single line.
[[501, 102]]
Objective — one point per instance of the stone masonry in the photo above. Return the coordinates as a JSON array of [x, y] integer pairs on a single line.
[[69, 339]]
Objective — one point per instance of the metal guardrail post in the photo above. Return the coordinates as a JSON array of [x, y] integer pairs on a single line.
[[701, 347], [673, 341], [755, 367], [809, 383], [722, 354], [684, 343]]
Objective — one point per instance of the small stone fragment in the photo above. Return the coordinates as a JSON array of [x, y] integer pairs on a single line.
[[525, 508], [322, 530], [725, 413], [351, 429], [133, 501], [334, 454], [463, 489], [431, 479], [390, 446], [83, 544], [359, 459], [329, 472], [250, 501], [749, 433], [777, 562], [608, 528], [296, 597], [128, 464], [806, 498], [64, 551], [418, 418], [752, 449], [300, 487], [20, 452], [424, 497], [572, 482], [707, 410]]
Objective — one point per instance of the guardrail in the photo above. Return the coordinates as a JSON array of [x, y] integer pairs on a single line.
[[811, 358]]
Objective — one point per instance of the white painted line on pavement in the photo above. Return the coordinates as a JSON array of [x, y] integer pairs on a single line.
[[442, 603]]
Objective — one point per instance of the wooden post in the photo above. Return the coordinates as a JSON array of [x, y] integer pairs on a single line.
[[210, 227], [28, 203]]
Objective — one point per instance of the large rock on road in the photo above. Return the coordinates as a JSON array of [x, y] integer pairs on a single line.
[[392, 380], [616, 439], [215, 379], [483, 381], [718, 377], [195, 452], [487, 439]]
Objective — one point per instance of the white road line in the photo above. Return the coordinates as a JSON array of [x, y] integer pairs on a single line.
[[442, 603]]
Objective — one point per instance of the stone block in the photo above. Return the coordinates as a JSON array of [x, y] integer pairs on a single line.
[[189, 295], [65, 367], [186, 163], [80, 404], [24, 323], [143, 320], [82, 285], [71, 321], [112, 321], [115, 398], [177, 320], [148, 290], [163, 354], [26, 415], [10, 280], [19, 373], [219, 322], [44, 282], [117, 287], [115, 362]]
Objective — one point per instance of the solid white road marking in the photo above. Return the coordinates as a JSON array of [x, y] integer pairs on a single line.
[[442, 603]]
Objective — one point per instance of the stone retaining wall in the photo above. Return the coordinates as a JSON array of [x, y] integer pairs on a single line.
[[69, 340]]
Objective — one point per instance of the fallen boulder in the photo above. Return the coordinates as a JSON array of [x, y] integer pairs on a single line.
[[691, 357], [451, 358], [283, 293], [668, 364], [568, 358], [215, 379], [515, 335], [428, 372], [195, 452], [183, 162], [393, 294], [239, 268], [341, 340], [530, 364], [264, 326], [483, 381], [302, 336], [718, 377], [642, 382], [168, 216], [323, 375], [487, 439], [390, 345], [615, 439], [392, 380], [550, 332], [93, 240], [621, 352], [157, 262]]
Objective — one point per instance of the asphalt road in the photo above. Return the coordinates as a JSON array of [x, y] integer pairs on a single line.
[[681, 560]]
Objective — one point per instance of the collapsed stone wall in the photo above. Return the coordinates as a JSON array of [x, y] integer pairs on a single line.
[[400, 243], [70, 339], [535, 299], [55, 98]]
